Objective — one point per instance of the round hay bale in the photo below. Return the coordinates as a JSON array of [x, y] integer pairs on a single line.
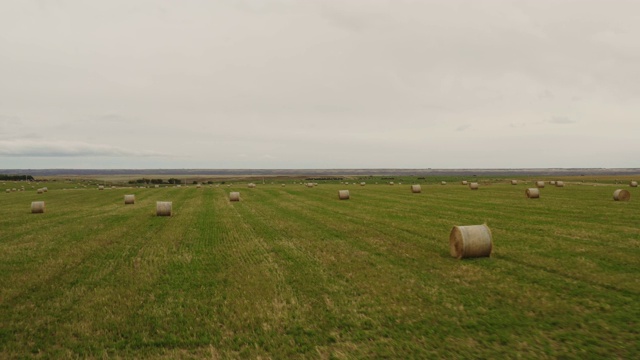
[[283, 185], [343, 194], [443, 183], [621, 195], [251, 185], [552, 182], [559, 183], [540, 184], [633, 184], [234, 196], [465, 182], [309, 185], [8, 190], [45, 189], [514, 182], [416, 189], [363, 183], [163, 208], [470, 241], [198, 186], [533, 193], [129, 199], [100, 187], [473, 186], [37, 207], [390, 182], [39, 191]]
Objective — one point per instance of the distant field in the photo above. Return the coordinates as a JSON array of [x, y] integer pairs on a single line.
[[293, 272]]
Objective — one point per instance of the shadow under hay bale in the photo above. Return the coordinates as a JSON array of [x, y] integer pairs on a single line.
[[470, 241]]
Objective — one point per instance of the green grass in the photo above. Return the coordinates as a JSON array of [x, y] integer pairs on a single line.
[[292, 272]]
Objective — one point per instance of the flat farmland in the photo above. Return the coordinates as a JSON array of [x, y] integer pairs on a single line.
[[294, 272]]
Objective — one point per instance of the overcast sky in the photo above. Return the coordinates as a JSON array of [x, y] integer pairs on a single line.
[[319, 84]]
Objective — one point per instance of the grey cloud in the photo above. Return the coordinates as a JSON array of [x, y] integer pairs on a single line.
[[33, 148], [561, 120]]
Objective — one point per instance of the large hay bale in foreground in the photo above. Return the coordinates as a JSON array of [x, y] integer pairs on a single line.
[[416, 189], [234, 196], [540, 184], [470, 241], [129, 199], [343, 194], [473, 186], [163, 208], [514, 182], [621, 195], [559, 183], [633, 183], [37, 207], [533, 193]]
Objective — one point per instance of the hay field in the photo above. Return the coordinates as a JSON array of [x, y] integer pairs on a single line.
[[293, 272]]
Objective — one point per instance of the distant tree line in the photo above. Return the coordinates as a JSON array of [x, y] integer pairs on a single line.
[[155, 181], [16, 177], [326, 178]]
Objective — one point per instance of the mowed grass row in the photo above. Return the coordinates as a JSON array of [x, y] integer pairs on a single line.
[[295, 272]]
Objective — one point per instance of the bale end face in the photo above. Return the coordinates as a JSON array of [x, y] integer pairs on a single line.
[[621, 195], [163, 208], [343, 194], [470, 241], [234, 196], [37, 207], [129, 199]]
